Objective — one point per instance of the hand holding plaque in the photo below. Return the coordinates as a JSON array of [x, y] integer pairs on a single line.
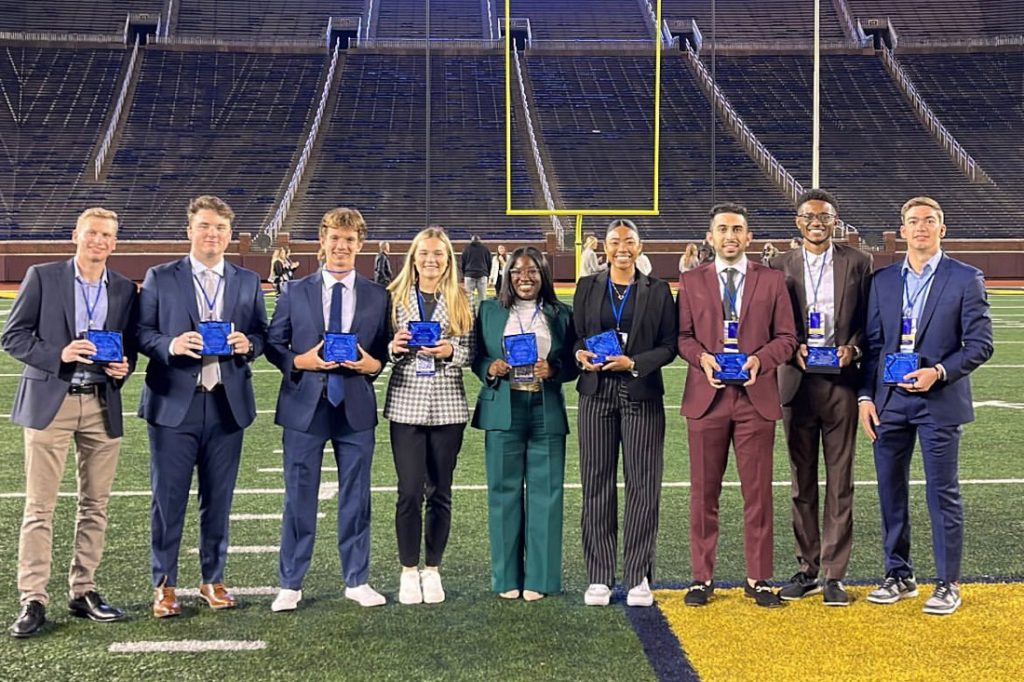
[[732, 369], [215, 337], [340, 347], [603, 345], [424, 334], [898, 365], [822, 360], [521, 354], [109, 345]]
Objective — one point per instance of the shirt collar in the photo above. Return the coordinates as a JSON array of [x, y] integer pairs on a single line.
[[349, 280], [198, 268], [740, 265], [815, 259], [79, 277], [928, 268]]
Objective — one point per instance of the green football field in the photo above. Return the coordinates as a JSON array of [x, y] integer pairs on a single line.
[[473, 635]]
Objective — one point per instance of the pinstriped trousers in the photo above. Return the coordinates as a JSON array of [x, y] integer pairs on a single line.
[[607, 419]]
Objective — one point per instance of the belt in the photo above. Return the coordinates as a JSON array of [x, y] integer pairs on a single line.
[[531, 387], [84, 389], [202, 389]]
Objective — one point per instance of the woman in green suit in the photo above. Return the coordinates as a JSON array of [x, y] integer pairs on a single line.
[[522, 409]]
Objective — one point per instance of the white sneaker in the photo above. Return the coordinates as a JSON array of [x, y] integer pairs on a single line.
[[433, 593], [286, 600], [640, 595], [409, 591], [364, 595], [597, 595]]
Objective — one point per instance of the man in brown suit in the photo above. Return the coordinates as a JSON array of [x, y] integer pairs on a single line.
[[734, 304], [828, 284]]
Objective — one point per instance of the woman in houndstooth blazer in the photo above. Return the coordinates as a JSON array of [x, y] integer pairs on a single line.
[[426, 405]]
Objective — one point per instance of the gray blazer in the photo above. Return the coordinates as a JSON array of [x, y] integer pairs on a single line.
[[429, 401], [42, 323]]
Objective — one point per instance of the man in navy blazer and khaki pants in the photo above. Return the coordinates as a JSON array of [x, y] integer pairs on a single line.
[[324, 401], [197, 407], [64, 395], [935, 306]]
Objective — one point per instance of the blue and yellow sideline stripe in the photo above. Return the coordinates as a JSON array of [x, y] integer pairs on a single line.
[[733, 639]]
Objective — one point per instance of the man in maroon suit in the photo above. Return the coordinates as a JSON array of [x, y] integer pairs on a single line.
[[732, 305]]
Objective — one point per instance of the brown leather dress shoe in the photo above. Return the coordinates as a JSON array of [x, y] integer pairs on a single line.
[[165, 603], [217, 596]]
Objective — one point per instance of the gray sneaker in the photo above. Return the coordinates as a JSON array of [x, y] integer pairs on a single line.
[[835, 593], [945, 600], [894, 588], [800, 585]]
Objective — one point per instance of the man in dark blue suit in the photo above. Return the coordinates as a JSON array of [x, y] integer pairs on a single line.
[[942, 315], [324, 401], [197, 405], [64, 394]]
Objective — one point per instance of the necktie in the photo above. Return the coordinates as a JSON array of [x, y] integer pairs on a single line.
[[727, 300], [210, 375], [335, 382]]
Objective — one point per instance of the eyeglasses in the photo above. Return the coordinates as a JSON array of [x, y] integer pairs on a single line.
[[823, 218], [529, 272]]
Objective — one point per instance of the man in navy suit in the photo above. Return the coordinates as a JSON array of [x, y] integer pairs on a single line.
[[62, 395], [942, 315], [324, 401], [197, 406]]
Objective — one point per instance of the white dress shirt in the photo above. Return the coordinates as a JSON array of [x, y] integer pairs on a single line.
[[826, 298], [741, 279], [348, 298]]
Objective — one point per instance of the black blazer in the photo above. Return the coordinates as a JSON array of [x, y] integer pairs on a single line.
[[652, 340], [42, 323]]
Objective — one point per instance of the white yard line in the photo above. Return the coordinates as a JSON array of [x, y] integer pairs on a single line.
[[246, 549], [263, 517], [186, 646]]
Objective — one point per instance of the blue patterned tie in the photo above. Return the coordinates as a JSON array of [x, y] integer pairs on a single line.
[[335, 382]]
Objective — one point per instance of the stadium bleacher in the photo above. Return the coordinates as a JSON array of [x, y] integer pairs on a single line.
[[262, 18], [593, 20], [874, 151], [448, 19], [945, 19], [72, 16], [757, 20], [54, 103]]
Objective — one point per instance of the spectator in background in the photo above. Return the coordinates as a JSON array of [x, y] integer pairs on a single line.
[[795, 243], [498, 264], [62, 395], [382, 265], [689, 260], [768, 253], [476, 268], [282, 267], [706, 252], [590, 263]]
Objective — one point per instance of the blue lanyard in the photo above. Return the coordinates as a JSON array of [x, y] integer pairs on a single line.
[[90, 309], [731, 297], [908, 309], [617, 312], [533, 319], [821, 273], [210, 304]]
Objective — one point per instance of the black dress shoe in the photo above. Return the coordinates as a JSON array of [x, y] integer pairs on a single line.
[[91, 605], [30, 621], [699, 593], [762, 593]]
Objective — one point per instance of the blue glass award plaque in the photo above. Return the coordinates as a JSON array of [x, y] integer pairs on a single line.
[[340, 347], [822, 360], [424, 334], [898, 365], [731, 371], [215, 337], [603, 345], [521, 349], [109, 345]]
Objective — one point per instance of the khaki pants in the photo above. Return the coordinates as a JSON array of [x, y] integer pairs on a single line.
[[80, 417]]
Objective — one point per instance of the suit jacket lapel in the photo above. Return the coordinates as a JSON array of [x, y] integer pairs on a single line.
[[840, 273], [187, 289], [714, 335], [749, 291], [358, 319], [314, 297], [642, 291], [231, 293], [68, 288], [934, 294], [891, 304], [795, 266], [596, 301]]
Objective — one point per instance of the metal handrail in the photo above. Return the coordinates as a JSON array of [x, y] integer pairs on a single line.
[[108, 136]]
